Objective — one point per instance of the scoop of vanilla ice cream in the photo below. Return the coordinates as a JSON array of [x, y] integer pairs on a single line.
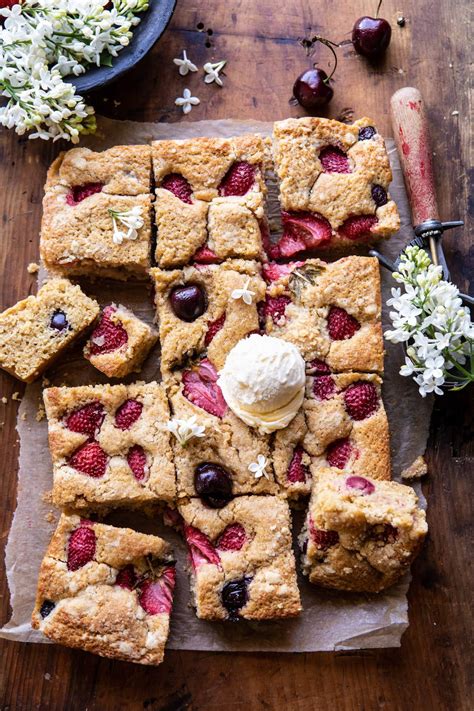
[[263, 382]]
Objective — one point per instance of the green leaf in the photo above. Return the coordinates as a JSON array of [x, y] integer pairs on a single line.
[[106, 59]]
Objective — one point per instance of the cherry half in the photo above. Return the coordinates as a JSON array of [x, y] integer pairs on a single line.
[[371, 35], [188, 302]]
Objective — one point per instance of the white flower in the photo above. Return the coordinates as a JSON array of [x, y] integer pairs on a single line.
[[258, 468], [132, 219], [185, 65], [187, 101], [212, 72], [245, 294], [184, 430]]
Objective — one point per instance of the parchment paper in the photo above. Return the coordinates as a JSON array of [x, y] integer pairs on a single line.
[[330, 620]]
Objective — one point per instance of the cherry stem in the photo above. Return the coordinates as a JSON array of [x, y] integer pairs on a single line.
[[330, 46], [378, 8]]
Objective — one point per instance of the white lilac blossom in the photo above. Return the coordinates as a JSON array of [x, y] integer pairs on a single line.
[[429, 319], [212, 72], [185, 65], [131, 219], [187, 101], [42, 41], [184, 430], [258, 468], [245, 293]]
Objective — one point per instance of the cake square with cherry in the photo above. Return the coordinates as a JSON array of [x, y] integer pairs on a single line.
[[106, 590], [361, 534], [334, 182], [206, 309], [209, 199], [216, 455], [120, 342], [342, 424], [330, 311], [110, 446], [36, 330], [242, 564]]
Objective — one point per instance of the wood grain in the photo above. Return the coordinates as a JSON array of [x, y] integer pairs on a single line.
[[260, 42]]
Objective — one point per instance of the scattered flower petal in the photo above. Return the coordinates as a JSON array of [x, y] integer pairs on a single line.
[[258, 468], [245, 293], [185, 65], [187, 101], [212, 72]]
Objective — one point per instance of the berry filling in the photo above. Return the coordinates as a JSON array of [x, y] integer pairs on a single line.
[[200, 548], [136, 459], [107, 336], [341, 325], [275, 307], [127, 414], [360, 483], [273, 271], [232, 538], [79, 193], [302, 231], [86, 420], [89, 459], [366, 133], [188, 302], [361, 400], [127, 578], [297, 471], [213, 484], [156, 596], [333, 160], [80, 547], [179, 186], [339, 452], [322, 539], [213, 328], [324, 387], [204, 255], [318, 367], [358, 227], [59, 321], [200, 387], [238, 180], [47, 607], [234, 595], [379, 195]]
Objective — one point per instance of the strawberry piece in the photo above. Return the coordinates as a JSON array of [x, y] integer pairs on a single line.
[[273, 271], [156, 596], [324, 387], [89, 459], [232, 538], [341, 325], [204, 255], [200, 547], [318, 367], [303, 231], [338, 453], [275, 307], [238, 180], [107, 336], [136, 459], [361, 400], [179, 186], [80, 547], [213, 328], [200, 387], [87, 419], [127, 414], [334, 160], [297, 471], [79, 193], [321, 538], [126, 578], [358, 227], [360, 483]]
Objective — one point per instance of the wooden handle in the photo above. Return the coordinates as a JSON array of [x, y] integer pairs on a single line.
[[410, 129]]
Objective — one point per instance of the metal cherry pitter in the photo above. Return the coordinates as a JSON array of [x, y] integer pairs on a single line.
[[410, 129]]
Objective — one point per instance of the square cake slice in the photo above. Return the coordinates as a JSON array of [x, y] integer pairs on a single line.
[[334, 182], [330, 311], [361, 534], [36, 330], [110, 446], [206, 309], [241, 559], [210, 196], [342, 424], [222, 460], [106, 590]]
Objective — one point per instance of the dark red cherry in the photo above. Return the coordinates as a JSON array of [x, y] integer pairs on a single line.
[[59, 321], [371, 36], [47, 607], [379, 195], [312, 89], [188, 302], [366, 133], [235, 595], [213, 484]]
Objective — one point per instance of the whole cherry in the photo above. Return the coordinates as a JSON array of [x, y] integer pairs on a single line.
[[312, 89], [188, 301], [371, 35]]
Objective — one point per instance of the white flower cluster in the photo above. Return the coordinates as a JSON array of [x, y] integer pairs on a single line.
[[131, 219], [184, 430], [428, 317], [42, 41]]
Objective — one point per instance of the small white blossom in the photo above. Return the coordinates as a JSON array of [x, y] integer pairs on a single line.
[[245, 294], [184, 430], [187, 101], [258, 468], [212, 72], [185, 65], [132, 219]]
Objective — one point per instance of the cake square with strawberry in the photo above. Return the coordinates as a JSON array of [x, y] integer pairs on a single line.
[[110, 446], [342, 424], [361, 534], [330, 311], [106, 590], [334, 181], [35, 331], [120, 342], [216, 455], [210, 196], [206, 309], [241, 559]]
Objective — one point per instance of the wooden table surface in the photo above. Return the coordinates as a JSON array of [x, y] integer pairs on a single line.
[[259, 38]]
